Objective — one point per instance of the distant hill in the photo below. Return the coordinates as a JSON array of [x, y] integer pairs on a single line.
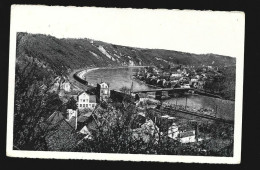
[[61, 55]]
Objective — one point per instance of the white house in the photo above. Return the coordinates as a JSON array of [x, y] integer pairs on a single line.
[[175, 75], [86, 100], [194, 80], [185, 86], [182, 136], [187, 137], [103, 92], [71, 113], [173, 131]]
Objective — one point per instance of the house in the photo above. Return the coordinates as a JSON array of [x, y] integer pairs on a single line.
[[66, 86], [102, 91], [182, 135], [187, 136], [141, 96], [80, 121], [54, 119], [86, 100], [85, 131], [210, 67], [194, 80], [71, 113], [185, 86], [74, 94], [163, 82], [173, 131], [200, 84], [62, 137], [184, 71], [175, 76]]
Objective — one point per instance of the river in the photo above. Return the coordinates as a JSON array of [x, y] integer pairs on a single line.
[[120, 77]]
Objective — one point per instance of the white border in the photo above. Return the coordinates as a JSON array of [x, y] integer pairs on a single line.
[[124, 157]]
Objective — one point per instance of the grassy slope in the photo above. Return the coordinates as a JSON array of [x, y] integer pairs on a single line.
[[63, 54]]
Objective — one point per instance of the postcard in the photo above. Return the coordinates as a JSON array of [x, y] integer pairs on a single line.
[[125, 84]]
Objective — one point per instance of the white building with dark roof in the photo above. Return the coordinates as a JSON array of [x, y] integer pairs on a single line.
[[187, 136], [86, 100], [183, 135], [103, 92]]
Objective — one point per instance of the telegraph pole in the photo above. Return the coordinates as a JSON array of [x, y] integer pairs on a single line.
[[76, 119]]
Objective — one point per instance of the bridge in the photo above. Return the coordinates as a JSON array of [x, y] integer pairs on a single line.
[[159, 92]]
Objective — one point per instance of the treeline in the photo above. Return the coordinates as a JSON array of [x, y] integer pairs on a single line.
[[63, 54], [223, 84], [33, 104]]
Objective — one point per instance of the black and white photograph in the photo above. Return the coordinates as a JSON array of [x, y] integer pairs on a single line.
[[125, 84]]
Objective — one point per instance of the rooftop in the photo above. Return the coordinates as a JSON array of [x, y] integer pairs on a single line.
[[55, 117], [187, 134], [92, 99]]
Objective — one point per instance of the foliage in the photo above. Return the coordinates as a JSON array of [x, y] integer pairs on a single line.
[[63, 54], [124, 90], [33, 104], [71, 104], [116, 135], [223, 84]]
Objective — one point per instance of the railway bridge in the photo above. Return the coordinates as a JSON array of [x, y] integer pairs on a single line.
[[159, 92]]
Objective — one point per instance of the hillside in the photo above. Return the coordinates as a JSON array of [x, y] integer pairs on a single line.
[[61, 55]]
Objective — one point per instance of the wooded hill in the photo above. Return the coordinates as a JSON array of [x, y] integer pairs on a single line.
[[61, 55]]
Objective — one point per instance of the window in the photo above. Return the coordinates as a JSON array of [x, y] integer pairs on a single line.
[[93, 105], [83, 100], [80, 105], [83, 105]]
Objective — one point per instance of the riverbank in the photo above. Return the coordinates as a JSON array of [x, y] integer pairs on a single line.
[[85, 70], [88, 69]]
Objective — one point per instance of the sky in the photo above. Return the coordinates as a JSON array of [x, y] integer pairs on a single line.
[[191, 31]]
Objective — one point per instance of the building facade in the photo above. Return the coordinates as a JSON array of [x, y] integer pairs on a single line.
[[182, 136], [103, 92], [86, 100]]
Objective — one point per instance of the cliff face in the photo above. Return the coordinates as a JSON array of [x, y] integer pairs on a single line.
[[61, 55]]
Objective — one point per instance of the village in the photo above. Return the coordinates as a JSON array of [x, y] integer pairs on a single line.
[[89, 110], [178, 76]]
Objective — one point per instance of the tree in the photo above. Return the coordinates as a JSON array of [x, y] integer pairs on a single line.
[[124, 90], [137, 98], [72, 104], [33, 104]]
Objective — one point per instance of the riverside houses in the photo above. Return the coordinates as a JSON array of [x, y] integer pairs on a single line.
[[86, 100]]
